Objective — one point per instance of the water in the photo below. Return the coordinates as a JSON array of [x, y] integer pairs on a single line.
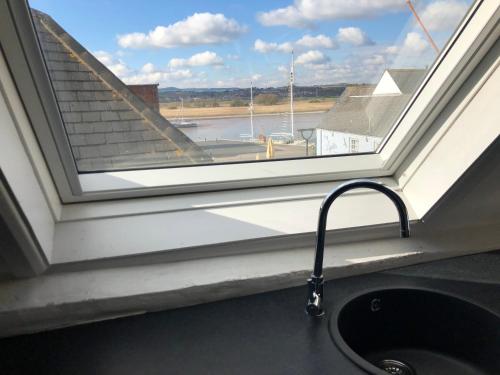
[[233, 128]]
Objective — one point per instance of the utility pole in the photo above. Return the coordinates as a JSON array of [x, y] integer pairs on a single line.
[[251, 110], [292, 81], [427, 34]]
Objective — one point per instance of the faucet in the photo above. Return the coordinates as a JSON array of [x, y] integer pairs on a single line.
[[315, 282]]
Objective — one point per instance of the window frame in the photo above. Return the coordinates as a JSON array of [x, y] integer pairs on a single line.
[[19, 45]]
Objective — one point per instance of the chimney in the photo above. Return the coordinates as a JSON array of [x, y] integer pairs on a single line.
[[148, 93]]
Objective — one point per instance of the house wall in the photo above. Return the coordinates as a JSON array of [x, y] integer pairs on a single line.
[[330, 142]]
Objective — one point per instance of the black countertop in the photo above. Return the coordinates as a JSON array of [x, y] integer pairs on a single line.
[[262, 334]]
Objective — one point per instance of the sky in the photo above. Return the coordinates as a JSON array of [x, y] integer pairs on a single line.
[[221, 43]]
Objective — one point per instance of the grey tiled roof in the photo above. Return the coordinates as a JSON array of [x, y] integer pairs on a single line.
[[358, 112], [108, 126], [407, 79], [348, 115]]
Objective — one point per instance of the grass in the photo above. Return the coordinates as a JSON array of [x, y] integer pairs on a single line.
[[226, 110]]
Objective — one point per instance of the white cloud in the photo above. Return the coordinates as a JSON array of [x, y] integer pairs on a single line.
[[198, 29], [265, 47], [328, 9], [117, 66], [375, 60], [305, 43], [148, 68], [148, 73], [303, 13], [354, 36], [414, 44], [289, 16], [312, 58], [233, 57], [443, 14], [318, 41], [284, 69], [392, 50], [163, 77], [206, 58]]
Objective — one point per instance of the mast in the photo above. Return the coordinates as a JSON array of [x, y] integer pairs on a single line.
[[251, 109], [292, 80], [182, 110]]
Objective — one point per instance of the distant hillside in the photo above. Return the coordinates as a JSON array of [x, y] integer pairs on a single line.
[[172, 94]]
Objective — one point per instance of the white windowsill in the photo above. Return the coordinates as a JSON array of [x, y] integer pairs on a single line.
[[234, 221], [68, 298]]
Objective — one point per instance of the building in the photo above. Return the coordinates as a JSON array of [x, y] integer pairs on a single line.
[[109, 127], [364, 114]]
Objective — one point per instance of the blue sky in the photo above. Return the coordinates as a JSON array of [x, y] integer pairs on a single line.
[[230, 43]]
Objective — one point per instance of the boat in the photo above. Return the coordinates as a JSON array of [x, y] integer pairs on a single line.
[[181, 122], [185, 124]]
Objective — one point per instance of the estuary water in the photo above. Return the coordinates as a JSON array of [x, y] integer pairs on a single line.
[[235, 128]]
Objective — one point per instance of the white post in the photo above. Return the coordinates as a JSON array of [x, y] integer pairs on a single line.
[[292, 80], [182, 111], [251, 110]]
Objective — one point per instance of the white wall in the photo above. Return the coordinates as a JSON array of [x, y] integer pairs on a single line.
[[330, 142]]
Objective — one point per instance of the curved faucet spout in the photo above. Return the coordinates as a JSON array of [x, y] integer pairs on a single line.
[[315, 297]]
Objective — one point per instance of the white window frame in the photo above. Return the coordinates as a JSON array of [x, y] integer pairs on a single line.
[[444, 78], [57, 215]]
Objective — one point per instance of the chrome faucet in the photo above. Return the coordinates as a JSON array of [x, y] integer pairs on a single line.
[[315, 296]]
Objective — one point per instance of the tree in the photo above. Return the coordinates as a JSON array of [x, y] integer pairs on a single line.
[[238, 103], [267, 99]]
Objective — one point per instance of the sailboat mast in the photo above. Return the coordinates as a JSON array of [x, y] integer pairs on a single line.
[[182, 110], [251, 109], [292, 80]]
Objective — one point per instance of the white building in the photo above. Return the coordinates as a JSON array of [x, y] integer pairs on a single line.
[[364, 114]]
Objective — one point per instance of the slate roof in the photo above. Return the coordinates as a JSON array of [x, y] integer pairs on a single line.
[[407, 79], [109, 128], [348, 115], [359, 112]]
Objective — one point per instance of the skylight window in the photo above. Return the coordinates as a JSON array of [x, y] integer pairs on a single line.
[[222, 82]]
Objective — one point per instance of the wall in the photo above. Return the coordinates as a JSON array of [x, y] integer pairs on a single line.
[[330, 142], [475, 198]]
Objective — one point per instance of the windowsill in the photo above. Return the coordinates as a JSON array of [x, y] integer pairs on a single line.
[[215, 224], [66, 298]]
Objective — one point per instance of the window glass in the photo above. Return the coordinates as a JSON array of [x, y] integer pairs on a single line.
[[165, 84]]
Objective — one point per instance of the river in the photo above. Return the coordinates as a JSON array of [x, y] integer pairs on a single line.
[[233, 128]]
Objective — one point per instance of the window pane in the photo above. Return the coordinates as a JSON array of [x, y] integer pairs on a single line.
[[163, 85]]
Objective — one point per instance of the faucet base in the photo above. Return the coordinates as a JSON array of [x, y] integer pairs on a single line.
[[314, 305]]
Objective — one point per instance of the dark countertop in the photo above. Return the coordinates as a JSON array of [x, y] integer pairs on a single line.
[[267, 333]]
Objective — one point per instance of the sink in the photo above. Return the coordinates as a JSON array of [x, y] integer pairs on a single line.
[[417, 332]]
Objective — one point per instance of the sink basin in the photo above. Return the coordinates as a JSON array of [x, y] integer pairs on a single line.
[[417, 332]]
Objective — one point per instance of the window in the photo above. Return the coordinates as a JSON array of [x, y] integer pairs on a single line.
[[143, 92], [354, 147]]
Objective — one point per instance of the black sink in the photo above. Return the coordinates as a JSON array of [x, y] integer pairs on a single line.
[[417, 332]]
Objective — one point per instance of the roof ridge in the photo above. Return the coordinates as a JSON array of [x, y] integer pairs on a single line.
[[405, 69], [136, 104]]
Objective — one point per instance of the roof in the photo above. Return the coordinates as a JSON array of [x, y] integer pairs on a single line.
[[108, 127], [359, 112], [348, 115], [407, 80]]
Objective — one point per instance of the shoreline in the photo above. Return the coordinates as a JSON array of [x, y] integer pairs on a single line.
[[248, 116], [224, 111]]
